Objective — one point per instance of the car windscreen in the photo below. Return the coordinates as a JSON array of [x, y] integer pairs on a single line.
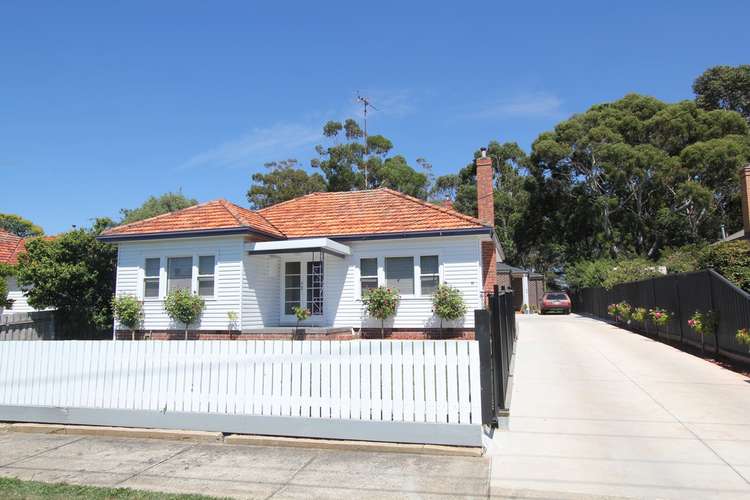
[[557, 296]]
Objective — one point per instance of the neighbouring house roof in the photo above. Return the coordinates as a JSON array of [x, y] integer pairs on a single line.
[[339, 214], [502, 267], [11, 246]]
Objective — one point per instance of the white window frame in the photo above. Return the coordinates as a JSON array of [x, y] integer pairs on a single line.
[[378, 278], [418, 265], [164, 273], [417, 270], [144, 277], [196, 273]]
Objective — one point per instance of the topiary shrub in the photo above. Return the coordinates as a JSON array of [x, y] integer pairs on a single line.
[[184, 307], [731, 260], [381, 303], [448, 304], [128, 311]]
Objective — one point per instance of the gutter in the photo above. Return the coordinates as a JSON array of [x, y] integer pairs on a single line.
[[115, 238]]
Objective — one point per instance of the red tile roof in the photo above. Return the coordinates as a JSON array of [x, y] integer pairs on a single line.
[[213, 215], [376, 211], [11, 246]]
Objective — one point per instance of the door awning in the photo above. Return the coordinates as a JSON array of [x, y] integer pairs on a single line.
[[324, 245]]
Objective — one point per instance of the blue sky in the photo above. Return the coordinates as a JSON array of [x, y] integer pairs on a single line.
[[103, 104]]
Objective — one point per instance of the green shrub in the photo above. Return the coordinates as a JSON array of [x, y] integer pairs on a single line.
[[5, 272], [685, 259], [608, 273], [128, 311], [184, 307], [381, 303], [731, 260], [448, 304]]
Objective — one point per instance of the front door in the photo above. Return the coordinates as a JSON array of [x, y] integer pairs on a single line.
[[302, 286]]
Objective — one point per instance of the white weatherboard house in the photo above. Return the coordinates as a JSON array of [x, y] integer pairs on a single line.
[[320, 251], [11, 246]]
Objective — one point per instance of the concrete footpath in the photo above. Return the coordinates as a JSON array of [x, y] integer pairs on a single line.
[[242, 471], [601, 411]]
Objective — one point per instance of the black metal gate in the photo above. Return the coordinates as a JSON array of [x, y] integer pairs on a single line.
[[495, 330]]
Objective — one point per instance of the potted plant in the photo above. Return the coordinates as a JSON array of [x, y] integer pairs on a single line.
[[232, 324], [184, 307], [659, 316], [704, 323], [128, 311], [743, 337], [448, 304], [639, 315], [613, 310], [301, 313], [624, 312], [381, 303]]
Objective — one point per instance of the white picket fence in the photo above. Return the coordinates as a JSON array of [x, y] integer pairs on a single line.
[[287, 384]]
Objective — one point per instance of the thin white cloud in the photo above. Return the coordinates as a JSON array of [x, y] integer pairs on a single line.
[[257, 146], [528, 105]]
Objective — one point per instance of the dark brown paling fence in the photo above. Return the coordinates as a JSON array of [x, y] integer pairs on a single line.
[[681, 295]]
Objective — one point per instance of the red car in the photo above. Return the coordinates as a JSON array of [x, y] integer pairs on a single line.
[[555, 301]]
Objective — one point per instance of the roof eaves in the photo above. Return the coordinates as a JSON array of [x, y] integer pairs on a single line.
[[191, 233]]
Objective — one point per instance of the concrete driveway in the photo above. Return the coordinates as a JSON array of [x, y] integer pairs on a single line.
[[599, 410]]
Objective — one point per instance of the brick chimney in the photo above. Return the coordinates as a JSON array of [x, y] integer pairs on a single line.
[[485, 198], [486, 214], [447, 203], [745, 194]]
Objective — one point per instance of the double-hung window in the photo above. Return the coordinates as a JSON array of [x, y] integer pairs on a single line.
[[151, 277], [179, 274], [429, 275], [399, 274], [206, 266], [368, 274]]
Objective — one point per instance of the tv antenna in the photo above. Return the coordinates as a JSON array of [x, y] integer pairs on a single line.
[[366, 103]]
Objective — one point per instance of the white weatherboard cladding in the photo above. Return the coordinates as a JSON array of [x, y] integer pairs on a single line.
[[261, 284], [460, 266], [228, 278], [20, 302], [250, 285]]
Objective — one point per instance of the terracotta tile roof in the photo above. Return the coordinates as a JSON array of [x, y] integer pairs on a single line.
[[375, 211], [11, 246], [213, 215]]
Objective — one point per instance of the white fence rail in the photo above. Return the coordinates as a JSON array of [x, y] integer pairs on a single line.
[[408, 391]]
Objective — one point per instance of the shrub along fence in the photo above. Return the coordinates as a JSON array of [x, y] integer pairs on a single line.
[[681, 295]]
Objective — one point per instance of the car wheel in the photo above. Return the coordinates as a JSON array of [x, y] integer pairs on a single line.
[[567, 311]]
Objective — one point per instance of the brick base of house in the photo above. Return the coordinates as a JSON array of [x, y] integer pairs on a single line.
[[364, 333]]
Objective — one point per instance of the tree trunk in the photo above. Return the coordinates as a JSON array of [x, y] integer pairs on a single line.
[[186, 331], [382, 329]]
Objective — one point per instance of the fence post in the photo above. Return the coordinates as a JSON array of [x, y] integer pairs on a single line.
[[482, 335], [711, 305], [679, 307]]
